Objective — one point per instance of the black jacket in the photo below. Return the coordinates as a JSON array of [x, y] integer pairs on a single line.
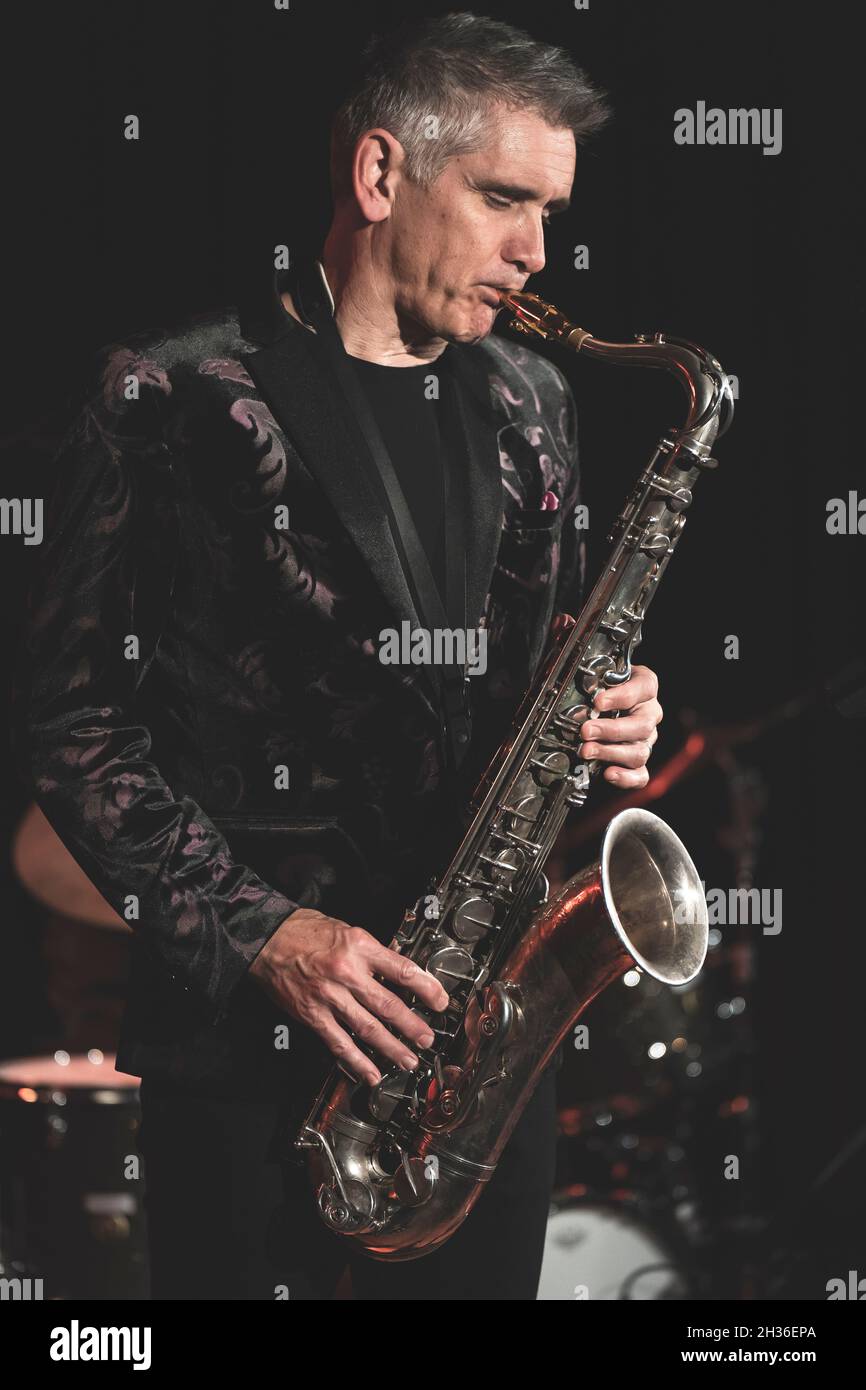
[[160, 765]]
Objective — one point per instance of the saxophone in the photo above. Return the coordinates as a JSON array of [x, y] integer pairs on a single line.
[[399, 1166]]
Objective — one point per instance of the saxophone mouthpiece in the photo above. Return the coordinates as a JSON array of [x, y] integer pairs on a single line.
[[529, 311], [532, 314], [517, 300]]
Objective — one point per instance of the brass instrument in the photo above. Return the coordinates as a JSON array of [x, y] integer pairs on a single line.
[[398, 1166]]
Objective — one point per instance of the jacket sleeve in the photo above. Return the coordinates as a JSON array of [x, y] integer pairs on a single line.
[[75, 742]]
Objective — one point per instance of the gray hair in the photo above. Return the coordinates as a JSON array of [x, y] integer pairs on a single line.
[[453, 68]]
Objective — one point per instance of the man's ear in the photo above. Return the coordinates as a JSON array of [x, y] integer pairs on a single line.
[[375, 173]]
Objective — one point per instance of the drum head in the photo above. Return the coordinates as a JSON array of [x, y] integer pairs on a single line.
[[601, 1253]]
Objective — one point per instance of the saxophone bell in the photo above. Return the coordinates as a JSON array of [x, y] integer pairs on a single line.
[[641, 904]]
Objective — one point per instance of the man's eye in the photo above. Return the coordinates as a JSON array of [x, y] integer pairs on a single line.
[[495, 202]]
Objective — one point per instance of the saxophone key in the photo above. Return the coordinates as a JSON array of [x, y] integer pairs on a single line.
[[387, 1094], [614, 628], [659, 544], [506, 864], [568, 723], [552, 767], [530, 846], [554, 745], [473, 919], [450, 964], [493, 890], [528, 808]]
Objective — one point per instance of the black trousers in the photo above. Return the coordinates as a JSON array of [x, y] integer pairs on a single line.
[[228, 1220]]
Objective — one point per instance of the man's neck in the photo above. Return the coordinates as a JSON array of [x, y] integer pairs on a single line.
[[367, 323]]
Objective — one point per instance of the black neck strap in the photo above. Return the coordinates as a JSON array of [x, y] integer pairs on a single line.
[[313, 301]]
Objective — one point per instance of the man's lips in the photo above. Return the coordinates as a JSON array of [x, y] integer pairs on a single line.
[[491, 294]]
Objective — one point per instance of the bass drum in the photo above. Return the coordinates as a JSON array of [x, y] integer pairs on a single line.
[[602, 1252]]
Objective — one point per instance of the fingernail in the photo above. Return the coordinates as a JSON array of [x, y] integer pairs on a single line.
[[374, 1078], [428, 1039]]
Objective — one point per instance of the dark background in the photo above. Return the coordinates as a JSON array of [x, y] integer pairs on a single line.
[[757, 257]]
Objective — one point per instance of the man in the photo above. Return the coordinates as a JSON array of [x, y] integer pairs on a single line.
[[204, 708]]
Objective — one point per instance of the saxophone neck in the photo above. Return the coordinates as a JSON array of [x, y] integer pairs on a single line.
[[707, 387]]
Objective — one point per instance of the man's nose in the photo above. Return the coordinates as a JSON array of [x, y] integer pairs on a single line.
[[527, 250]]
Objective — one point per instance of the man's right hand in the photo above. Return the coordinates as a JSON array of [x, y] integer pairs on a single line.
[[320, 970]]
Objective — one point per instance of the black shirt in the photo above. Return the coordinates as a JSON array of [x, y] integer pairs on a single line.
[[417, 430]]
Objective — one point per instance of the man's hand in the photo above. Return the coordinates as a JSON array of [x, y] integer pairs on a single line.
[[320, 970], [627, 740]]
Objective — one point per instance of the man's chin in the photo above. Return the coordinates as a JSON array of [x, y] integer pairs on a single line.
[[476, 326]]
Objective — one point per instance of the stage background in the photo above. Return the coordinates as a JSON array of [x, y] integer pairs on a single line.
[[759, 257]]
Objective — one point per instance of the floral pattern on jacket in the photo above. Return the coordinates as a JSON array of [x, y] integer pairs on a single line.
[[186, 652]]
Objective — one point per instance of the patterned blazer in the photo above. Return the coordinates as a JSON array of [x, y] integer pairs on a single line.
[[203, 629]]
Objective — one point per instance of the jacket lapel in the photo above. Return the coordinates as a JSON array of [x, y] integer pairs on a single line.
[[308, 407], [483, 471]]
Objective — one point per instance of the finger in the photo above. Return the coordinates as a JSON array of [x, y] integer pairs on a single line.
[[406, 973], [368, 1029], [620, 754], [621, 777], [642, 685], [341, 1046], [393, 1011], [639, 726]]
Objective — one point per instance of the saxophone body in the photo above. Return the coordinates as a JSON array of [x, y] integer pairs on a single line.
[[398, 1167]]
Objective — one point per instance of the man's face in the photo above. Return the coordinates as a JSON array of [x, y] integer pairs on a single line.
[[481, 224]]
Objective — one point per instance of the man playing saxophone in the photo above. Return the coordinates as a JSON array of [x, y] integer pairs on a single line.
[[273, 793]]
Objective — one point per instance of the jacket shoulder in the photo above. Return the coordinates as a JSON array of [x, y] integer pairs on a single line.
[[529, 388], [154, 364]]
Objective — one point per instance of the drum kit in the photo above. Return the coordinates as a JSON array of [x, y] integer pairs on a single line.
[[71, 1191], [643, 1209], [660, 1088], [663, 1087], [663, 1090]]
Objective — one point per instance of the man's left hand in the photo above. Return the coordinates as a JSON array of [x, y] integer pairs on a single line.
[[625, 742]]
